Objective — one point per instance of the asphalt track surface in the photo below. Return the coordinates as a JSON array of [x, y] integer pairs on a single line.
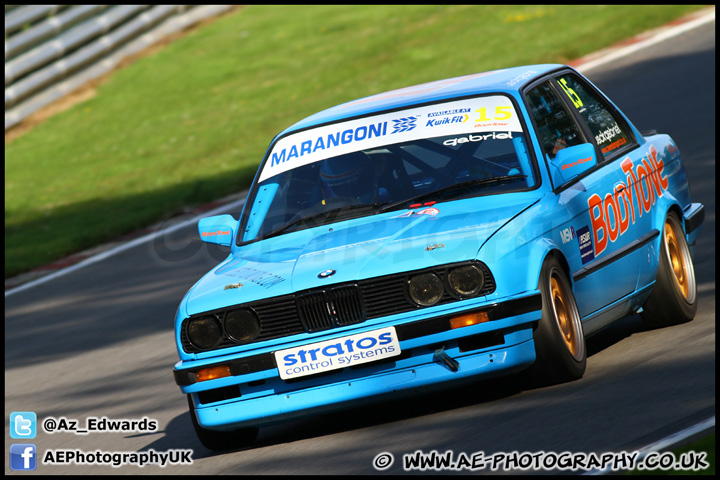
[[99, 342]]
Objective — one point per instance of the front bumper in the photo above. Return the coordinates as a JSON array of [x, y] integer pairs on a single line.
[[254, 395], [694, 217]]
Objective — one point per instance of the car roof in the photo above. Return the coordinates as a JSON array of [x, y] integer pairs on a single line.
[[505, 80]]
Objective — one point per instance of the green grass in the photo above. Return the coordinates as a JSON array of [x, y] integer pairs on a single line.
[[190, 123], [705, 444]]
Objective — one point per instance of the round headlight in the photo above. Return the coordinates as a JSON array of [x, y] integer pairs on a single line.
[[425, 289], [466, 281], [204, 332], [242, 326]]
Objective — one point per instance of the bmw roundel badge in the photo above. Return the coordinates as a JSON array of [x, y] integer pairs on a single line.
[[326, 273]]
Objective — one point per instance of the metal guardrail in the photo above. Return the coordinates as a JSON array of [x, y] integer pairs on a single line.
[[51, 50], [18, 17], [36, 34]]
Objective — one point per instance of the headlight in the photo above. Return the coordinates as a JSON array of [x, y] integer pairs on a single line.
[[466, 281], [204, 332], [425, 289], [242, 326]]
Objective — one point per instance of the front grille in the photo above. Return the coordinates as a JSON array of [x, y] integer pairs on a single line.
[[383, 296], [314, 312], [278, 318], [345, 304], [348, 305], [334, 307]]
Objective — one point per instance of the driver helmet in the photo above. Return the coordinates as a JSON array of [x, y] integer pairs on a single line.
[[348, 175]]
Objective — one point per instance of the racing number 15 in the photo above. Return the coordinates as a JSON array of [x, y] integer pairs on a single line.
[[501, 113], [570, 93]]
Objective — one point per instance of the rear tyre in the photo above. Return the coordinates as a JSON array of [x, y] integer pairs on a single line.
[[214, 440], [673, 299], [559, 340]]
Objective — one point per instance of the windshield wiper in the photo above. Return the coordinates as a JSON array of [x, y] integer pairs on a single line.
[[387, 206], [321, 215], [450, 188]]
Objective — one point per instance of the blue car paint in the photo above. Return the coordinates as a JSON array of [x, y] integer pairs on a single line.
[[511, 233], [380, 386], [364, 247]]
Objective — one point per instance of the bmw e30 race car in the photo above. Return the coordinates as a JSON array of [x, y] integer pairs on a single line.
[[452, 231]]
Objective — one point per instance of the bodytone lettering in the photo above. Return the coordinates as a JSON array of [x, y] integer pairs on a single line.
[[611, 216], [597, 219]]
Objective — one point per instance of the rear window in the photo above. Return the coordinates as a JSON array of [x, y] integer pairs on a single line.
[[608, 128]]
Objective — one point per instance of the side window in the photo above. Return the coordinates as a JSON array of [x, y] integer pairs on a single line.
[[610, 131], [556, 128]]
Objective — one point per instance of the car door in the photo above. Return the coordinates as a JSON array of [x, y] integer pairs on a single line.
[[593, 210]]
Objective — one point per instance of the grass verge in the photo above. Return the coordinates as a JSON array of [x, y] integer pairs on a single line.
[[687, 455], [191, 122]]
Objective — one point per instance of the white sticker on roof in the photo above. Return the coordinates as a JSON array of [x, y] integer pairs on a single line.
[[482, 114]]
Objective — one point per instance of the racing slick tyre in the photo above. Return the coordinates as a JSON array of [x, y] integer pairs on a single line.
[[215, 440], [559, 340], [673, 299]]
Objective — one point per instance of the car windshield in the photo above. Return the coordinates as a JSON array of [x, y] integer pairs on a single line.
[[388, 162]]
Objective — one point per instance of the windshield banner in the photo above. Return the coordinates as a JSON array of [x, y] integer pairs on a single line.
[[482, 114]]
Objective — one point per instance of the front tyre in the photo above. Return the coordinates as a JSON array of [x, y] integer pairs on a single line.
[[214, 440], [673, 299], [559, 339]]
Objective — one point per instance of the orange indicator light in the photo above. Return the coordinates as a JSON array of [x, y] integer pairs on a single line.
[[468, 320], [212, 373]]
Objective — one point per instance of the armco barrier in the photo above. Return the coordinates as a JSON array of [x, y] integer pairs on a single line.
[[51, 50]]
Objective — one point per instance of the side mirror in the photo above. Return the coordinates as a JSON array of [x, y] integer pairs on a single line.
[[219, 229], [571, 162]]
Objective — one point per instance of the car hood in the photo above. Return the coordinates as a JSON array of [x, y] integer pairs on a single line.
[[356, 249]]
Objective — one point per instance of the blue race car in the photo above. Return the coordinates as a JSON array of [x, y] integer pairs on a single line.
[[453, 231]]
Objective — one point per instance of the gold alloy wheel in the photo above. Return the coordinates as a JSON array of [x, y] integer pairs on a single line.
[[679, 257], [566, 316]]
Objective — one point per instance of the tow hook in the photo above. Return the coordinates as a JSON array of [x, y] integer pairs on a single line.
[[442, 357]]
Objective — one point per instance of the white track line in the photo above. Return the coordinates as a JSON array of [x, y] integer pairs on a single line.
[[655, 39], [125, 246], [664, 35], [669, 441]]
